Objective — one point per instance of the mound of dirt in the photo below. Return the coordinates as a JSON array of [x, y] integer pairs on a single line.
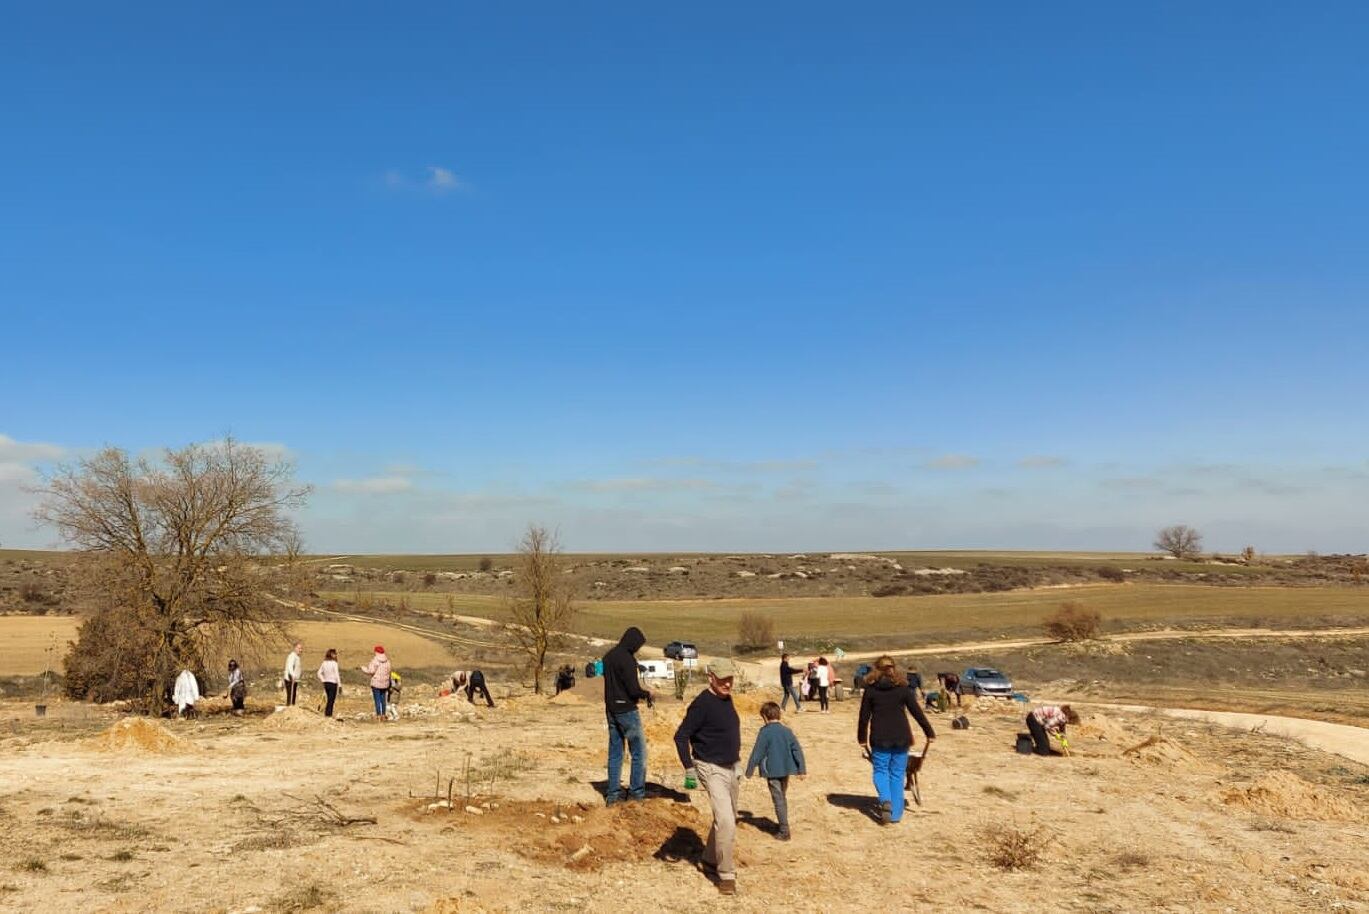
[[749, 703], [1284, 795], [295, 719], [138, 734], [568, 698], [582, 837], [1160, 750]]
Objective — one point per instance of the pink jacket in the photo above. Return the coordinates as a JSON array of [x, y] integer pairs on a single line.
[[379, 668]]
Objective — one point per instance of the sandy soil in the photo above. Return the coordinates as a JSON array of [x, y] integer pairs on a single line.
[[223, 814]]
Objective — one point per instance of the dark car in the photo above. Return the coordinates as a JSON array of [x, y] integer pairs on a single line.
[[681, 650], [983, 680]]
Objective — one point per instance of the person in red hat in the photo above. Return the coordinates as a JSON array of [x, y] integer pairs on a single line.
[[379, 671]]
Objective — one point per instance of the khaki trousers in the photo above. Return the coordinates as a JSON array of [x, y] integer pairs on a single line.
[[722, 784]]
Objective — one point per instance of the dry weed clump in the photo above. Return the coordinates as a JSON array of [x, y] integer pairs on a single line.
[[755, 630], [1073, 622], [1012, 847]]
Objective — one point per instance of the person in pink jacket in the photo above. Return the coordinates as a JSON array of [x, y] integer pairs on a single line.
[[379, 670]]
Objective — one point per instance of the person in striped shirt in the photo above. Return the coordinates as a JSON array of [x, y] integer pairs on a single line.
[[1047, 719]]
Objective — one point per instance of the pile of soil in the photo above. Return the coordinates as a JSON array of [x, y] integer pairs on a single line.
[[295, 719], [138, 734], [1284, 795], [1162, 751], [586, 837], [568, 698]]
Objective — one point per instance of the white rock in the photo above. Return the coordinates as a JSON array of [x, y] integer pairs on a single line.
[[745, 574]]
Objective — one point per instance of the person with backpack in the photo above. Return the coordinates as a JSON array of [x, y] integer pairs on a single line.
[[778, 755], [622, 691], [884, 733], [379, 670]]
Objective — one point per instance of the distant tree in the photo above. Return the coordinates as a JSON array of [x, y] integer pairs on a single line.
[[180, 555], [486, 563], [1073, 622], [543, 608], [1248, 555], [1180, 541]]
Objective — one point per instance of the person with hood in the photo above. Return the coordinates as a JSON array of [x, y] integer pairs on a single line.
[[186, 693], [622, 691], [290, 678], [884, 732], [237, 687], [379, 671]]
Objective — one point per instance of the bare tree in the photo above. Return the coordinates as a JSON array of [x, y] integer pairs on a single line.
[[544, 607], [1180, 541], [180, 554]]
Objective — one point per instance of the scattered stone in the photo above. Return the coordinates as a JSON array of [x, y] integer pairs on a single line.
[[475, 810], [584, 851]]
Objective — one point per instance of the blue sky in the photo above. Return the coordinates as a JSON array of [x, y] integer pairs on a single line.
[[760, 276]]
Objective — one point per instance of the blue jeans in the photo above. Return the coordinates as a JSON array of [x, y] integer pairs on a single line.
[[379, 695], [790, 691], [625, 727], [891, 765]]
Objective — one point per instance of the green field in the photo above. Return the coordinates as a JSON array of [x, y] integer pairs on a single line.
[[862, 620]]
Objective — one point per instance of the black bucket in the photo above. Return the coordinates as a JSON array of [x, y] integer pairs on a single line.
[[1025, 744]]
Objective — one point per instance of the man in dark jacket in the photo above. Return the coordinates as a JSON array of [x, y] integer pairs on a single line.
[[622, 691], [791, 691], [709, 741]]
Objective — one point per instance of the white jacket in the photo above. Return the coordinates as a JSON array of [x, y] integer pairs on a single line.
[[187, 691], [292, 668]]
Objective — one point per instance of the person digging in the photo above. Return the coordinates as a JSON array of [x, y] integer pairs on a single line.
[[1047, 721], [709, 741]]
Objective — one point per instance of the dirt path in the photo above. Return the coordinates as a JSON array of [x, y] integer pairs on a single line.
[[1341, 739]]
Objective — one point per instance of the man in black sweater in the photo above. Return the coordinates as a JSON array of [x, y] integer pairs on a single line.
[[791, 691], [622, 691], [709, 742]]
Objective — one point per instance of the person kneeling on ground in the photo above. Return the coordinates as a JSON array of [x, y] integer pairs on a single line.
[[1049, 719], [709, 741], [778, 755], [472, 682], [884, 732]]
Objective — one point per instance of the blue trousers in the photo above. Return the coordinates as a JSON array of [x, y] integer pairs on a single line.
[[790, 692], [625, 729], [379, 696], [891, 765]]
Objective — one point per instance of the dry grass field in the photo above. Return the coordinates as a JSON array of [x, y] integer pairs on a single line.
[[901, 621], [30, 641]]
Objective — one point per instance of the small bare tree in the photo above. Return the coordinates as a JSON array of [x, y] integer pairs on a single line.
[[755, 630], [1180, 541], [179, 554], [544, 607]]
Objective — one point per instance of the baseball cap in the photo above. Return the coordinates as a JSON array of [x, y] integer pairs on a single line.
[[721, 667]]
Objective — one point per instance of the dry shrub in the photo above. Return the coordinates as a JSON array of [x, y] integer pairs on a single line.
[[486, 563], [1111, 573], [1073, 622], [1014, 848], [755, 630], [429, 579]]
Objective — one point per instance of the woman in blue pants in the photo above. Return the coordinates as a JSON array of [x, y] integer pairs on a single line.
[[884, 732]]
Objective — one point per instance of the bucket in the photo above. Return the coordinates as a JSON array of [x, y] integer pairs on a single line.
[[960, 723], [40, 710], [1025, 744]]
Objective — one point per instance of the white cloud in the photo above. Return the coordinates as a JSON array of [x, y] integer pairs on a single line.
[[436, 180], [441, 180], [12, 451], [1042, 462], [952, 462], [374, 485]]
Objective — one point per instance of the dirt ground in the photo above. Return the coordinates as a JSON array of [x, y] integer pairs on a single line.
[[274, 813]]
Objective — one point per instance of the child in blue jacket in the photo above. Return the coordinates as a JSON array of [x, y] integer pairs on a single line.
[[778, 755]]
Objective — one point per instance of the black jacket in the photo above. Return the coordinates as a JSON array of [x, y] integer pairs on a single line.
[[884, 710], [787, 674], [622, 689], [710, 732]]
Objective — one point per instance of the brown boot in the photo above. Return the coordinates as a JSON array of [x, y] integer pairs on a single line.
[[727, 886]]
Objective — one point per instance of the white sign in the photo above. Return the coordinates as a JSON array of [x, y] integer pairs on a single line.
[[780, 644]]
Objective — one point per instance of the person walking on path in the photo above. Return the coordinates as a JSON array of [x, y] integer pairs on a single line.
[[824, 683], [778, 755], [291, 676], [709, 742], [884, 732], [1048, 719], [622, 691], [331, 677], [186, 694], [791, 691], [379, 671], [237, 687]]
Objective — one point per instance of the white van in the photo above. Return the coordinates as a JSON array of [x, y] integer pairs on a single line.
[[656, 669]]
